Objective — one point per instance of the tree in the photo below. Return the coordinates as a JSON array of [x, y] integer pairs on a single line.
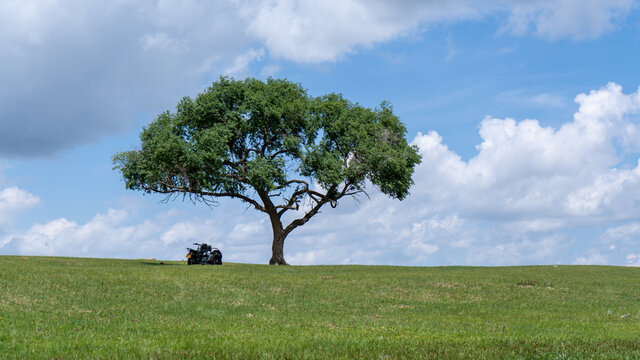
[[273, 147]]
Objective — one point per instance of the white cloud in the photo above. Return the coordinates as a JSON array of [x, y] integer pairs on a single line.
[[448, 223], [623, 239], [526, 172], [94, 67], [611, 195], [577, 19], [312, 257], [517, 251], [536, 225], [592, 259], [113, 234], [452, 51], [633, 260], [111, 61], [313, 31], [241, 62], [14, 201], [104, 236], [159, 41], [318, 31], [628, 233], [186, 232]]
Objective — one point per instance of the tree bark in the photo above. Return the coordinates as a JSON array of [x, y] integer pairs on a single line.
[[277, 256], [279, 234]]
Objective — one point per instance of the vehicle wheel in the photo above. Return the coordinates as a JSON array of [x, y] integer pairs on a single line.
[[189, 261]]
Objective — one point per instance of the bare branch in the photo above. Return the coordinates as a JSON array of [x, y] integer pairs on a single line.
[[294, 181], [314, 210], [231, 164], [315, 196], [273, 156], [303, 220], [292, 203], [357, 192], [172, 189]]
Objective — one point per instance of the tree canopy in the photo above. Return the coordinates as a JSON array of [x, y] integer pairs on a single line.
[[271, 145]]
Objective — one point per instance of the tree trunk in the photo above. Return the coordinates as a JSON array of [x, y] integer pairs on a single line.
[[277, 256]]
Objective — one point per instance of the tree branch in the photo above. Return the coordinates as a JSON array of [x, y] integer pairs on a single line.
[[292, 203], [273, 156], [303, 220], [237, 178], [173, 189], [294, 181], [314, 210]]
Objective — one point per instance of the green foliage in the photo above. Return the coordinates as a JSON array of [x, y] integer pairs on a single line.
[[70, 308], [252, 135]]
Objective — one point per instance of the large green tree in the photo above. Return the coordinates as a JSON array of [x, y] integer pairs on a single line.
[[272, 146]]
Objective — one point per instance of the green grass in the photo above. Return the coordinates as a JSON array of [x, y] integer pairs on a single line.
[[66, 308]]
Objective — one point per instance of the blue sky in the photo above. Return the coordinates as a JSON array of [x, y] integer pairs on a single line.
[[526, 113]]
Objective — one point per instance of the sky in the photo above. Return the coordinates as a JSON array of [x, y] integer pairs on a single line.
[[526, 114]]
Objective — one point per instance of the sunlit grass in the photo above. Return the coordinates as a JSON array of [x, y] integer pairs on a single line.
[[62, 308]]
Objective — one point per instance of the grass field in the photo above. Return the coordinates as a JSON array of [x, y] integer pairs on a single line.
[[66, 308]]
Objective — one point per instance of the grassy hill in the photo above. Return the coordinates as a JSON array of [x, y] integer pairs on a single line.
[[65, 308]]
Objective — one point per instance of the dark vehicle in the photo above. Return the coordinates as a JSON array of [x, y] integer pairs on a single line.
[[205, 254]]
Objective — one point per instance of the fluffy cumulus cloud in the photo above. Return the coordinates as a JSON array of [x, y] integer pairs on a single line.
[[76, 70], [512, 203], [541, 177], [115, 234], [315, 31], [103, 236], [13, 201]]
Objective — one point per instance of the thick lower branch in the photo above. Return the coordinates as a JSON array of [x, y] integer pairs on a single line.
[[303, 220], [172, 189], [319, 203]]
